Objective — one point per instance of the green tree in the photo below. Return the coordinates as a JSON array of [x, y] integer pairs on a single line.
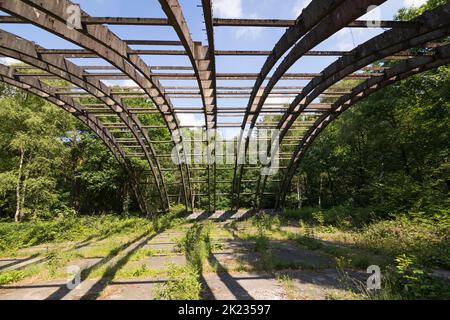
[[33, 150]]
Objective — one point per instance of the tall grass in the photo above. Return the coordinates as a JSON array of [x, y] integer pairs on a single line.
[[340, 216], [14, 236], [184, 282], [426, 238]]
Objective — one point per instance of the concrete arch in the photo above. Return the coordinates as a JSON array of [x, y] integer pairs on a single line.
[[53, 17], [320, 20], [203, 64], [320, 28], [434, 25], [393, 75], [36, 87], [27, 52]]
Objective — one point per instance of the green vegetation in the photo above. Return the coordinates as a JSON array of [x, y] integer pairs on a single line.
[[373, 189], [264, 225], [197, 245], [11, 276], [51, 164], [184, 282], [426, 238], [62, 241], [387, 154], [408, 280], [63, 229], [407, 248]]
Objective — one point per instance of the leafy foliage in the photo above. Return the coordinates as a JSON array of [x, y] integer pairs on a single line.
[[408, 280], [424, 236], [390, 152], [182, 284], [63, 166], [10, 277], [197, 245]]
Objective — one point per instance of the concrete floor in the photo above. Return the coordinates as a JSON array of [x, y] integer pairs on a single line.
[[222, 281]]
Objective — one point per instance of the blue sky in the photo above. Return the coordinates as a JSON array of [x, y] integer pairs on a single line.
[[228, 38]]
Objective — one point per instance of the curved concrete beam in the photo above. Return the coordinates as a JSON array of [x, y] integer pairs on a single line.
[[36, 87], [203, 63], [27, 52], [53, 17], [434, 24], [393, 75], [341, 15]]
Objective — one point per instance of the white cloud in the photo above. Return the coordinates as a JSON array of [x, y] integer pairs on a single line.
[[248, 32], [230, 9], [233, 9], [9, 61], [414, 3], [344, 40], [278, 101], [190, 120], [120, 83], [229, 133]]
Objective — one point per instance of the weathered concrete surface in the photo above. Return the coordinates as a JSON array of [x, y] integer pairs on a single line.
[[223, 280], [317, 285], [6, 262], [86, 263], [244, 286], [290, 255], [235, 245], [30, 291], [23, 263], [236, 271], [163, 247], [83, 291], [160, 262], [117, 290], [232, 260], [143, 289]]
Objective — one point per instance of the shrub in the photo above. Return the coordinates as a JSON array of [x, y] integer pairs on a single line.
[[410, 280], [318, 217], [10, 277], [428, 239], [197, 245], [265, 223], [26, 234], [182, 284], [340, 216]]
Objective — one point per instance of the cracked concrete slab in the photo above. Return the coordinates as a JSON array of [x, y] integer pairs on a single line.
[[132, 289], [30, 291], [244, 286]]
